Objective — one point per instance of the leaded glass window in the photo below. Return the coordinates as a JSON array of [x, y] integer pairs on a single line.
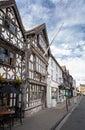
[[6, 56], [10, 25]]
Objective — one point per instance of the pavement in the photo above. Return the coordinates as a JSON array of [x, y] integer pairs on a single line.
[[48, 118], [75, 120]]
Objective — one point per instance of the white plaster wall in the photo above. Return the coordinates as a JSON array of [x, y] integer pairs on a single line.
[[52, 80]]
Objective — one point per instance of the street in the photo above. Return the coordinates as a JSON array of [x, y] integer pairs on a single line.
[[76, 120], [46, 119]]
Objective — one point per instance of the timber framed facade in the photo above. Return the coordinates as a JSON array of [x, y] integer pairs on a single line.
[[23, 55], [37, 63], [12, 43]]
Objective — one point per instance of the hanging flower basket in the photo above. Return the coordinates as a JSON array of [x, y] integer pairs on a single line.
[[18, 80], [1, 78]]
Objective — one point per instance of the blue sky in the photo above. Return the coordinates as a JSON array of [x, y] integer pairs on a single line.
[[69, 45]]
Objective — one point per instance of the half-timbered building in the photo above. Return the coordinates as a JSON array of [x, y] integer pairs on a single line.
[[37, 63], [12, 61], [23, 58]]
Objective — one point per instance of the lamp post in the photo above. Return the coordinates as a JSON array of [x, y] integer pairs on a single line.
[[67, 95]]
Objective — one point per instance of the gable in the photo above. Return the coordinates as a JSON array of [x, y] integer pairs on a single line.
[[12, 29], [42, 38], [42, 41], [12, 3]]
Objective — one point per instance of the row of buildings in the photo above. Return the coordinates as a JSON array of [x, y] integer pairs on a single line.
[[27, 64]]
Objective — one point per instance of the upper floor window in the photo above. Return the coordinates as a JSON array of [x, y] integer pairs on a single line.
[[11, 55], [1, 49], [6, 56], [11, 58], [2, 57], [42, 42], [40, 66], [9, 25], [12, 28]]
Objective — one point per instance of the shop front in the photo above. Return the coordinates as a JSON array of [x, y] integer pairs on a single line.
[[61, 93], [53, 97], [52, 94]]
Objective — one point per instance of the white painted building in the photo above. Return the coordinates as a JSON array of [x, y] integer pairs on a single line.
[[53, 81]]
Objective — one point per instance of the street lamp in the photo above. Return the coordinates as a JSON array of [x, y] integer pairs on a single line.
[[67, 95]]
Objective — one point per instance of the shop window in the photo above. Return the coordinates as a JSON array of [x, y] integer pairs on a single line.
[[35, 95]]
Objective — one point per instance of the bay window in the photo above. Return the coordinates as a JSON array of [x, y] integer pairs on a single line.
[[6, 56]]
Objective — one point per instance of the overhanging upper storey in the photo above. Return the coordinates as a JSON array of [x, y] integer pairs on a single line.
[[11, 27]]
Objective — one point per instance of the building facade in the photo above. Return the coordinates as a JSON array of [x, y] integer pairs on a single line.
[[27, 64], [82, 89], [11, 49], [23, 56], [67, 81], [54, 80], [37, 64]]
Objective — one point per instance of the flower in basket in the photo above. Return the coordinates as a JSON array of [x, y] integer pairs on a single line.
[[18, 80], [1, 77]]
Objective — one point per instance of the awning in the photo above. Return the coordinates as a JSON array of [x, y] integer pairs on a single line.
[[9, 89]]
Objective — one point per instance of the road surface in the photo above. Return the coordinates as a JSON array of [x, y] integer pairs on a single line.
[[76, 121]]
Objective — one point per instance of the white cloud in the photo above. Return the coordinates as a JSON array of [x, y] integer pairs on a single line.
[[32, 13], [58, 1], [60, 51], [71, 13]]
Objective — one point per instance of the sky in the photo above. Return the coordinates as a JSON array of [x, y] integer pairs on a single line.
[[64, 19]]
